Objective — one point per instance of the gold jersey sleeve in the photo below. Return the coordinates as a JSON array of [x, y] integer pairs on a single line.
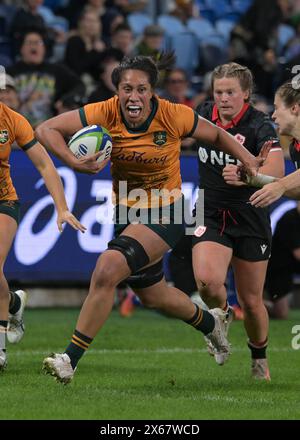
[[145, 159], [13, 128]]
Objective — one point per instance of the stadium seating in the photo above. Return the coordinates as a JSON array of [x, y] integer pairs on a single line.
[[224, 27], [241, 6], [206, 33], [53, 4], [214, 10], [171, 25], [220, 7], [186, 49], [138, 21], [208, 14], [201, 27], [285, 33], [233, 16]]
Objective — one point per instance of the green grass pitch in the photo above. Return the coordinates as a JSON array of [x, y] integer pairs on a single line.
[[147, 367]]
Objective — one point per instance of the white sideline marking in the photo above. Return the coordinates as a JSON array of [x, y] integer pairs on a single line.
[[154, 351]]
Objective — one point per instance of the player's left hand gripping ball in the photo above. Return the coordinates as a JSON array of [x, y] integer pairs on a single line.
[[92, 146]]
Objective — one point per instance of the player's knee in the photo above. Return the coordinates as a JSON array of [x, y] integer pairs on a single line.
[[208, 285], [251, 304], [106, 273]]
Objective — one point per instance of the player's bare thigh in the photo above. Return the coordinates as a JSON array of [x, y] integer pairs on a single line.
[[8, 229], [249, 278]]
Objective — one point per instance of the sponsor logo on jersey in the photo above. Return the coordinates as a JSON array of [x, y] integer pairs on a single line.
[[216, 157], [138, 157], [4, 136], [240, 138], [160, 138], [263, 248], [199, 231]]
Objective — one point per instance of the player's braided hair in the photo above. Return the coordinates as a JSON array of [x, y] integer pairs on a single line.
[[289, 92], [234, 70], [147, 64]]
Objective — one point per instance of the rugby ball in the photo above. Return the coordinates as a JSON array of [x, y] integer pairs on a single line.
[[90, 140]]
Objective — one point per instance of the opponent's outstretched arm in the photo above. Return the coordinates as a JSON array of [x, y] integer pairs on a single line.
[[288, 186], [209, 133]]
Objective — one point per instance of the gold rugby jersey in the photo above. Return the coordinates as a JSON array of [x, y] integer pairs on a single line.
[[13, 127], [146, 157]]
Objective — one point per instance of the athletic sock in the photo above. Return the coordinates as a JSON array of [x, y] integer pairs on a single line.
[[258, 350], [202, 320], [14, 303], [77, 347], [3, 330]]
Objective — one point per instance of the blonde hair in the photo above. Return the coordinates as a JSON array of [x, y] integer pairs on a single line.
[[234, 70]]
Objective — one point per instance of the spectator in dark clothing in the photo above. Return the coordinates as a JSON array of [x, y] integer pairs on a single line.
[[254, 41], [28, 17], [71, 11], [25, 17], [111, 19], [83, 49], [183, 10], [105, 89], [125, 7], [122, 38], [108, 15], [69, 102], [40, 83], [151, 41], [177, 87]]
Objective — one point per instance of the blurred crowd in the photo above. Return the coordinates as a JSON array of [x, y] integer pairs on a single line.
[[60, 53]]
